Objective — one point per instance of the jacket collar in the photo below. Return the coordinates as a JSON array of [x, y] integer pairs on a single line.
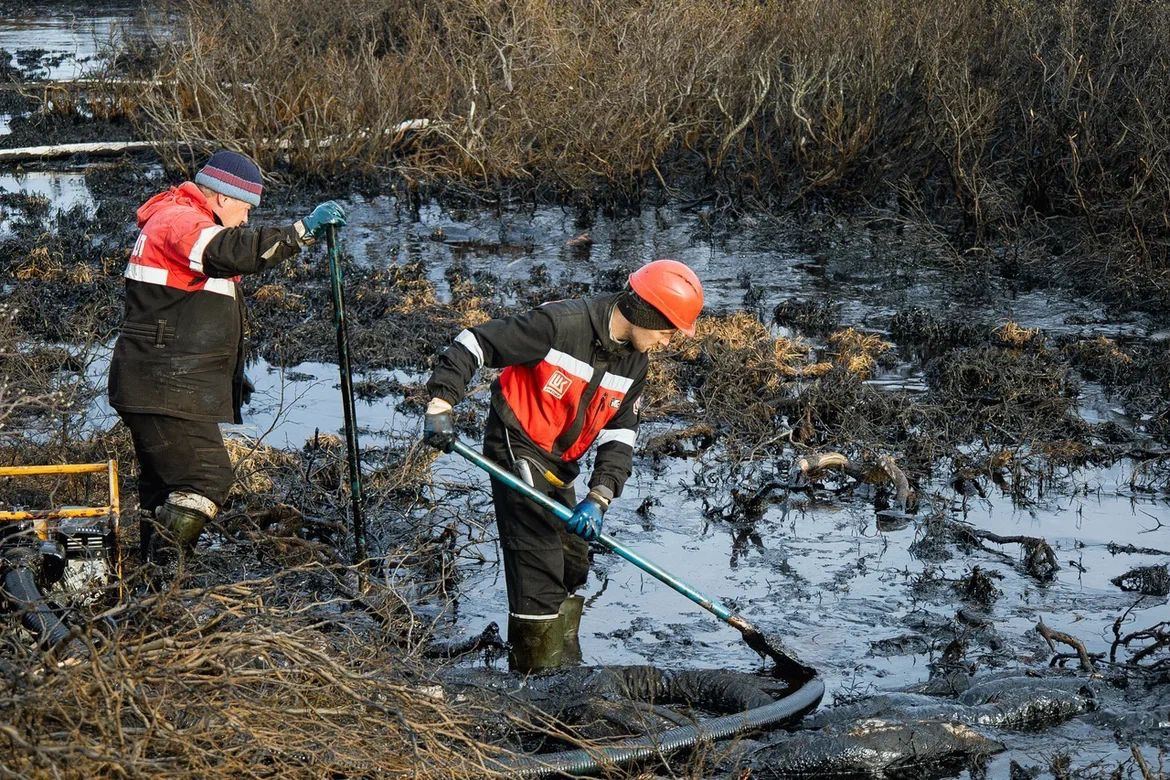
[[191, 191], [601, 310], [186, 195]]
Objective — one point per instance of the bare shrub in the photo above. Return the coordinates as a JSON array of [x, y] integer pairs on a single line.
[[986, 117]]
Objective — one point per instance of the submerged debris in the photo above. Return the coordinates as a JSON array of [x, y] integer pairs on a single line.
[[978, 587], [814, 317], [1146, 580], [883, 469]]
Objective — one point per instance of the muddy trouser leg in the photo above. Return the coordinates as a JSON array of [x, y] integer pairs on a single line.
[[177, 456], [535, 566], [576, 554]]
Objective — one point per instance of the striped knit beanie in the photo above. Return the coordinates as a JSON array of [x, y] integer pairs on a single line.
[[232, 174]]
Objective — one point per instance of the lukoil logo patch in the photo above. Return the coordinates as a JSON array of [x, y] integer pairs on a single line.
[[557, 384]]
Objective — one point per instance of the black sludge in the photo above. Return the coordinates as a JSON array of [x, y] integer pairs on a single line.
[[1027, 702], [711, 689], [1149, 726], [1034, 705], [618, 701], [1011, 703], [871, 748]]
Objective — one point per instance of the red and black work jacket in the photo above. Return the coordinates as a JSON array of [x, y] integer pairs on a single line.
[[566, 385], [180, 350]]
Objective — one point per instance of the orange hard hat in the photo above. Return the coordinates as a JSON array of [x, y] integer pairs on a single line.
[[673, 289]]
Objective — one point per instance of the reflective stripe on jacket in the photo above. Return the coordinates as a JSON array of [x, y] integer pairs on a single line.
[[179, 352], [566, 384]]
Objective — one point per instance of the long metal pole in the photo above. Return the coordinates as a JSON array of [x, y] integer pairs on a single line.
[[752, 635], [351, 439], [564, 513]]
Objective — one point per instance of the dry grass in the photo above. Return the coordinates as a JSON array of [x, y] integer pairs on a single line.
[[469, 301], [258, 466], [1100, 358], [237, 680], [737, 372], [1012, 334], [858, 352], [746, 381], [278, 294], [664, 394], [40, 265], [1006, 393], [409, 475]]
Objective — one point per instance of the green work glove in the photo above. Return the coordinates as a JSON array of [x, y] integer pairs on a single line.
[[328, 213]]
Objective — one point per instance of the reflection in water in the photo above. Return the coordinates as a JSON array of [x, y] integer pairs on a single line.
[[63, 190], [66, 41]]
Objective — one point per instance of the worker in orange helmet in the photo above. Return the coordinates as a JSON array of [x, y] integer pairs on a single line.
[[573, 377]]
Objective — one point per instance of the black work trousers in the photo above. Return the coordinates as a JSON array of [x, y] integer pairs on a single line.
[[543, 561], [175, 454]]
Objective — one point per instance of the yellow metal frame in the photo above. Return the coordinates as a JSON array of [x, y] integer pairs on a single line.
[[40, 517]]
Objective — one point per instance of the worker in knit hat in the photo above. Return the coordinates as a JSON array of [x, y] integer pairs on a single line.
[[178, 364]]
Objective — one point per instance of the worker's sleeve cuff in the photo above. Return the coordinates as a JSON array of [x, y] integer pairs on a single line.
[[304, 238], [439, 405], [445, 395], [603, 490]]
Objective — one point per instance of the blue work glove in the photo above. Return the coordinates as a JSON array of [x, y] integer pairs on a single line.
[[439, 425], [328, 213], [586, 519]]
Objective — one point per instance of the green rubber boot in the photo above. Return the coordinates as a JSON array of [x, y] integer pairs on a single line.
[[176, 529], [571, 609], [183, 524], [536, 644]]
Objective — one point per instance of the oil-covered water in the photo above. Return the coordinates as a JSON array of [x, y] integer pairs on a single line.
[[850, 598]]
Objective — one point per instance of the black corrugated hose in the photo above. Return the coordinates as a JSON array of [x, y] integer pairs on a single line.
[[20, 588], [579, 762]]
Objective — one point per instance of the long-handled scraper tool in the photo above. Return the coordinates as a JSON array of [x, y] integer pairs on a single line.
[[787, 666]]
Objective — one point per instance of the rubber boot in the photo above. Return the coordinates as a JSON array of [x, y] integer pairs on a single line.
[[536, 644], [176, 529], [145, 534], [183, 524], [571, 609]]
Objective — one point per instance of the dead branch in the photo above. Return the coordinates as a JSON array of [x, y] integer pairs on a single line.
[[1051, 636]]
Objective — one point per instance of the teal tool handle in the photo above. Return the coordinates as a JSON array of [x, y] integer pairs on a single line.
[[353, 452], [564, 513]]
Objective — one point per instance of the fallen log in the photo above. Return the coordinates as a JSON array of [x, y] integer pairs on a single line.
[[96, 148], [76, 84], [118, 147]]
